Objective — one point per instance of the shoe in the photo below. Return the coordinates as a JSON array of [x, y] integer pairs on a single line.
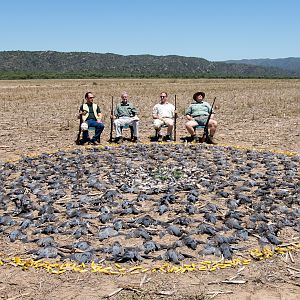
[[191, 138], [195, 140], [92, 142], [118, 140], [159, 137], [167, 138], [210, 140], [82, 142], [135, 139]]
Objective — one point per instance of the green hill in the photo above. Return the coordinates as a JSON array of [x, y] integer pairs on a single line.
[[50, 64], [290, 63]]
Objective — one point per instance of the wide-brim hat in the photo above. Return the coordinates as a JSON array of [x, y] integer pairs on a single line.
[[197, 94]]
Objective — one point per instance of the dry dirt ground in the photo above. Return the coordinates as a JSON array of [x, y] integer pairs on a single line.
[[39, 116]]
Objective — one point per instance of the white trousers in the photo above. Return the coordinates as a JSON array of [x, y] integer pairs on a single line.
[[122, 121], [165, 121]]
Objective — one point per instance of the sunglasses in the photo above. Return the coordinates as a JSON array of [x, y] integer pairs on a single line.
[[163, 96]]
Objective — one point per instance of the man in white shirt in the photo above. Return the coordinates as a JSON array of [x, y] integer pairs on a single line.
[[163, 114]]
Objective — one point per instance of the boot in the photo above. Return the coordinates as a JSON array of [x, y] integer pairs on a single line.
[[167, 138], [134, 139], [210, 140], [118, 140]]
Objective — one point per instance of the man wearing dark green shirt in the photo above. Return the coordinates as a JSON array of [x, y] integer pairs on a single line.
[[125, 114], [197, 114]]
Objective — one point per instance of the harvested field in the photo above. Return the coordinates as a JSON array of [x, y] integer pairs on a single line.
[[40, 115], [203, 212]]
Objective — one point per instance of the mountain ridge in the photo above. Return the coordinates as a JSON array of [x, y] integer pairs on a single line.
[[89, 64], [287, 63]]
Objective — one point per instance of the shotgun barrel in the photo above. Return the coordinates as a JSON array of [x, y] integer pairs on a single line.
[[175, 118], [205, 133], [79, 129], [111, 119]]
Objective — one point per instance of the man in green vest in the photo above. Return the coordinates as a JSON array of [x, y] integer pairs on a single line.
[[91, 115]]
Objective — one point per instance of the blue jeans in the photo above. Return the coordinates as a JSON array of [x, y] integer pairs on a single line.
[[98, 130]]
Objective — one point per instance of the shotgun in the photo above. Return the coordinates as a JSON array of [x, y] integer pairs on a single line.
[[79, 129], [175, 118], [111, 119], [205, 133]]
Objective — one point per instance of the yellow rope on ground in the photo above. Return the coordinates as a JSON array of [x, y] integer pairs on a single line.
[[117, 269]]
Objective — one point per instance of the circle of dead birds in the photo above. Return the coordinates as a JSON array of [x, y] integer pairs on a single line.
[[149, 202]]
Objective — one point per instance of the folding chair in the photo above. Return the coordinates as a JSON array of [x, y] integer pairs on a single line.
[[156, 137], [199, 127], [158, 130], [127, 126], [205, 134]]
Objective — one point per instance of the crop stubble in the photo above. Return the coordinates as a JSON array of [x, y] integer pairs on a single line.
[[40, 115]]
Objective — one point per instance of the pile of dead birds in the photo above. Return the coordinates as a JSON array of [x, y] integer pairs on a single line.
[[148, 202]]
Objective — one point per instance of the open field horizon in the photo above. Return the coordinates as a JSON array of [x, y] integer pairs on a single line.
[[40, 115]]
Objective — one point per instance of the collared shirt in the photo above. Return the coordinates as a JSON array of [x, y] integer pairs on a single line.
[[125, 110], [198, 109], [165, 110]]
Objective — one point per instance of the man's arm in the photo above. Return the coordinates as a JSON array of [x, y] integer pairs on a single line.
[[188, 113], [211, 109], [116, 112], [99, 114], [99, 117], [81, 112], [155, 112], [134, 110]]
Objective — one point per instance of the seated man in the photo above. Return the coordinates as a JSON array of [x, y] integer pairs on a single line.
[[91, 117], [197, 114], [125, 114], [163, 114]]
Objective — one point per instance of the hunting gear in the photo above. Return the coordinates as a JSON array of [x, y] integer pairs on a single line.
[[111, 120], [80, 127], [206, 137], [163, 114], [200, 113], [175, 118], [90, 116], [125, 114]]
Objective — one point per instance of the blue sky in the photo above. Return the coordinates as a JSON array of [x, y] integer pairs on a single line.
[[212, 29]]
